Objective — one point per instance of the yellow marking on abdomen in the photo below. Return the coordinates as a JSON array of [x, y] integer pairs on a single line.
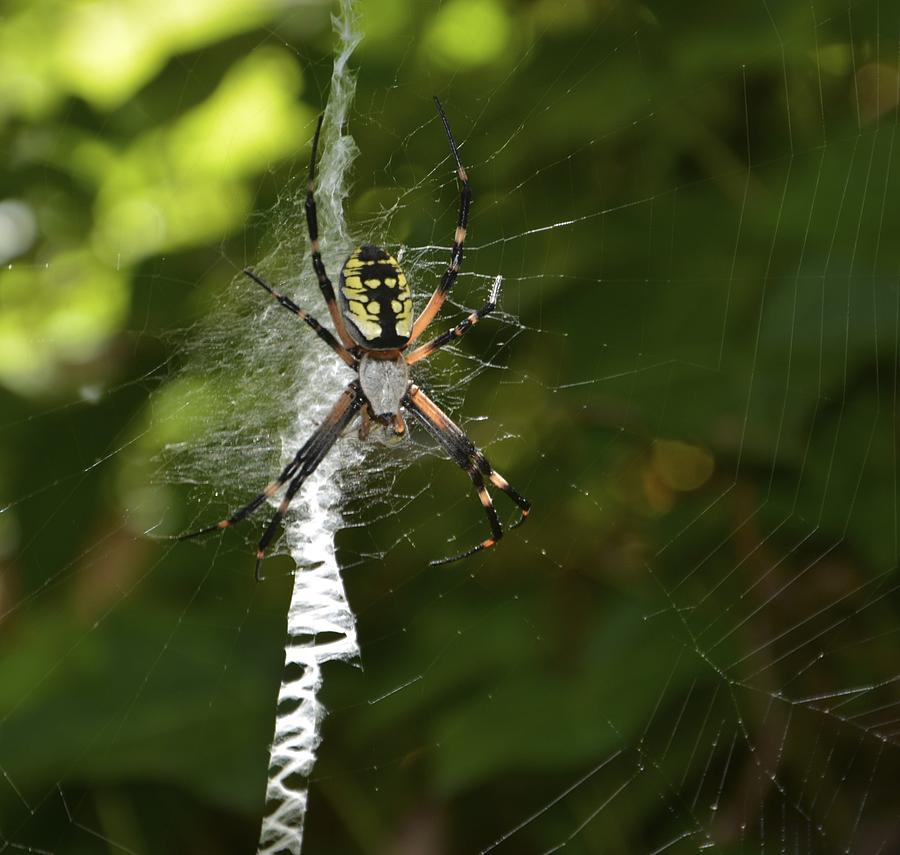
[[363, 321], [355, 295], [403, 318]]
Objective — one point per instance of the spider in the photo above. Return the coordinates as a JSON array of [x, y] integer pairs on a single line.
[[375, 327]]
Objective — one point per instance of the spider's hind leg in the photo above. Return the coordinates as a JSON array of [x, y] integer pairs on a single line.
[[459, 237], [307, 318], [312, 225]]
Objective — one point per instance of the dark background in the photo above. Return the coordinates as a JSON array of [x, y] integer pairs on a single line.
[[693, 641]]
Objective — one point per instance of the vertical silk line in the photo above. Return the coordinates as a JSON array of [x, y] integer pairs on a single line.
[[320, 625]]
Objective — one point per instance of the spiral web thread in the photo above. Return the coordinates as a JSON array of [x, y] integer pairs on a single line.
[[319, 606]]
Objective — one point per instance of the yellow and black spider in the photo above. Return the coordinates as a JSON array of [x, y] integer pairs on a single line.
[[376, 329]]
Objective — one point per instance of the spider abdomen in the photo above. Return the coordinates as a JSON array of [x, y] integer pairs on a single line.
[[384, 382], [376, 301]]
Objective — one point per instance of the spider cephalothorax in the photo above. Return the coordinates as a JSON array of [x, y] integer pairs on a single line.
[[373, 317]]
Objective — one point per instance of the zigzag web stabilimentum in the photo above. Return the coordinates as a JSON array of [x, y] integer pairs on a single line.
[[319, 606]]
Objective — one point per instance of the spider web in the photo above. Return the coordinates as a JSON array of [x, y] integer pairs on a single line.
[[692, 643]]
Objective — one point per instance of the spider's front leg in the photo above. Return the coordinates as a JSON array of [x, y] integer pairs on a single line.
[[297, 471], [464, 453], [365, 423]]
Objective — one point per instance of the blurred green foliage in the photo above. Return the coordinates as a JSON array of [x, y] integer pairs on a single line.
[[701, 403]]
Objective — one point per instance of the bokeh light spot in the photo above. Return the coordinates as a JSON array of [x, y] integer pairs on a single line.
[[470, 33], [681, 466]]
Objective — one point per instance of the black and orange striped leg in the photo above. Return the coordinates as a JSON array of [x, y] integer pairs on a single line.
[[297, 471], [251, 507], [459, 238], [312, 224], [275, 522], [319, 330], [464, 453], [460, 329]]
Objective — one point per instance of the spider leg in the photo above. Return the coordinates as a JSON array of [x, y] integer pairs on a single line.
[[242, 513], [319, 330], [464, 453], [297, 471], [459, 237], [312, 454], [312, 224], [460, 329]]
